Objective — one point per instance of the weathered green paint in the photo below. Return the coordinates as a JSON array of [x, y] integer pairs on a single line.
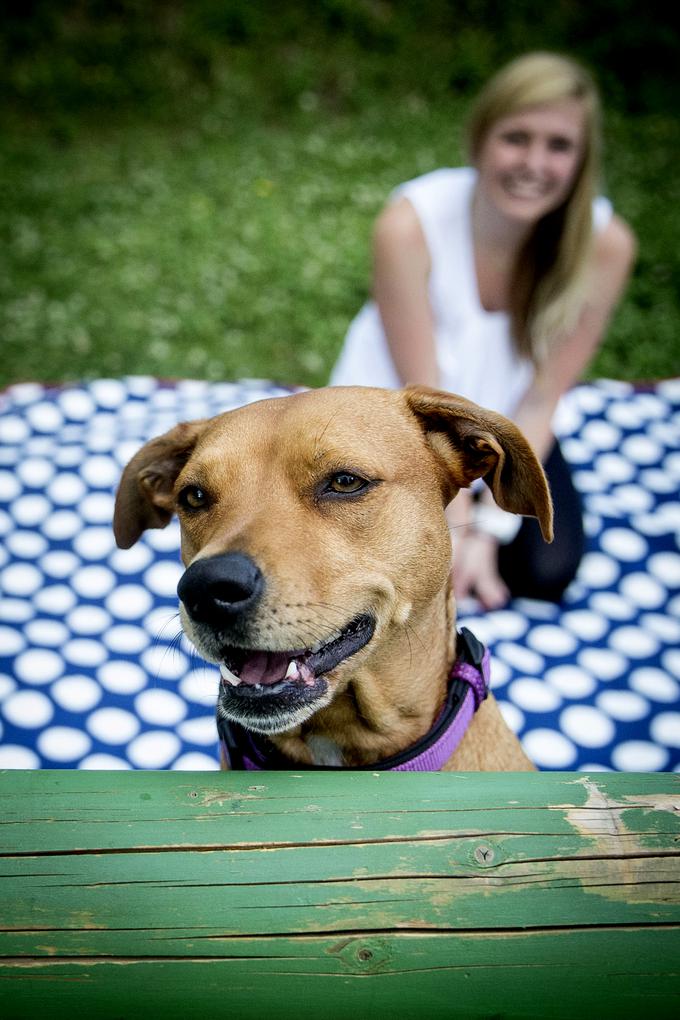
[[177, 894]]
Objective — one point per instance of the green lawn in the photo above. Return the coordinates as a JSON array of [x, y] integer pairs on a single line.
[[223, 243]]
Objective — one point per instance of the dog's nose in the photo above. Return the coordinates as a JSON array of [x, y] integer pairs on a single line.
[[220, 587]]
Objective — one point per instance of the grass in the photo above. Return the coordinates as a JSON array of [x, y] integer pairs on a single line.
[[226, 242]]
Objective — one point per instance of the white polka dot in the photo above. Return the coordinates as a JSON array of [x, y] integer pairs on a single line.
[[589, 481], [627, 415], [664, 627], [633, 499], [598, 571], [534, 695], [669, 389], [586, 625], [7, 686], [122, 677], [162, 578], [199, 731], [112, 725], [669, 513], [88, 620], [15, 610], [521, 658], [97, 508], [605, 506], [20, 579], [13, 430], [201, 685], [614, 468], [93, 582], [194, 761], [587, 726], [94, 543], [100, 472], [36, 472], [154, 750], [160, 708], [76, 693], [589, 399], [6, 523], [549, 749], [641, 450], [624, 544], [104, 763], [56, 599], [671, 662], [63, 743], [626, 706], [126, 639], [551, 640], [594, 766], [30, 710], [671, 464], [52, 633], [164, 662], [66, 489], [601, 435], [85, 652], [11, 641], [76, 404], [108, 392], [666, 567], [639, 756], [69, 457], [12, 756], [633, 642], [655, 684], [535, 609], [576, 451], [165, 539], [612, 606], [512, 715], [665, 729], [656, 480], [163, 623], [570, 681], [62, 524], [129, 601], [10, 486], [131, 561], [500, 673], [602, 663], [643, 590], [26, 544]]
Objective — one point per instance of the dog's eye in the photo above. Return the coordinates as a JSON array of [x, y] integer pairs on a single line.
[[192, 498], [346, 482]]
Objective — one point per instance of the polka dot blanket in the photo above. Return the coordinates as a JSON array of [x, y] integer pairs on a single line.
[[95, 674]]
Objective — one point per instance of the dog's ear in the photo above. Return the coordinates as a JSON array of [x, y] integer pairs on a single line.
[[473, 442], [145, 494]]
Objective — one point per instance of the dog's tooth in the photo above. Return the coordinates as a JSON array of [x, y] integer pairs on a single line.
[[293, 671], [230, 677]]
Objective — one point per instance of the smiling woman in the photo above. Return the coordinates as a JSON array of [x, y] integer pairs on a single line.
[[496, 281]]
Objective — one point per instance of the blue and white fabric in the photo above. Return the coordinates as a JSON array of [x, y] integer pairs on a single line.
[[94, 671]]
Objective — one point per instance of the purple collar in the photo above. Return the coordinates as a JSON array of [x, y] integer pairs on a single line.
[[468, 687]]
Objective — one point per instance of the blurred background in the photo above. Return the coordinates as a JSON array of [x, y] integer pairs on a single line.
[[187, 189]]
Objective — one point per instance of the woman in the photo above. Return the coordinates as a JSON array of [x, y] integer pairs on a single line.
[[496, 281]]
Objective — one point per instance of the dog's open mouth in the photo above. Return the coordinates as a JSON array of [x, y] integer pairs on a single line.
[[255, 671]]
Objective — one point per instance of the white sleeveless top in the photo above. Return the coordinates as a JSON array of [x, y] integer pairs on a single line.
[[474, 349]]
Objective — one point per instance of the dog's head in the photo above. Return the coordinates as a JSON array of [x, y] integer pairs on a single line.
[[313, 531]]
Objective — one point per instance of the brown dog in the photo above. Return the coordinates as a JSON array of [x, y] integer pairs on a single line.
[[318, 561]]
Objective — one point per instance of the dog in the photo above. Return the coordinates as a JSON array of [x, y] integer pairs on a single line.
[[317, 576]]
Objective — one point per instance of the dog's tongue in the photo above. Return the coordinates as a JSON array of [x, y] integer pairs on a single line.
[[270, 667]]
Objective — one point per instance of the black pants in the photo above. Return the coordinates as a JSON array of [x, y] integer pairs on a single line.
[[529, 566]]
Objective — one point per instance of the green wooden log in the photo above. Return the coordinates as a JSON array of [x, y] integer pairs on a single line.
[[276, 895]]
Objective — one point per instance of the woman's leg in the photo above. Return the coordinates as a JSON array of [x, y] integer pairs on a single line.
[[529, 566]]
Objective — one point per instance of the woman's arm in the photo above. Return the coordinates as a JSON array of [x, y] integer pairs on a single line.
[[613, 257], [401, 269]]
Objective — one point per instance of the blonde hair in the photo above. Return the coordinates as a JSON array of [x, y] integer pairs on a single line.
[[547, 289]]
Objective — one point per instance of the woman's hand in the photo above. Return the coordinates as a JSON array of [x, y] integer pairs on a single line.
[[475, 569]]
